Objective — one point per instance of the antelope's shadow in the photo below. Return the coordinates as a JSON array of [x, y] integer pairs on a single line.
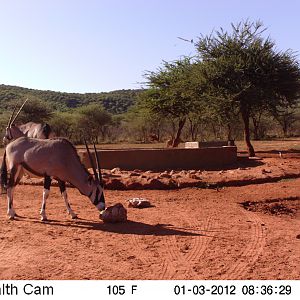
[[128, 227]]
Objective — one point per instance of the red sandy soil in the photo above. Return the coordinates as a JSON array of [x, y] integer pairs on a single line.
[[238, 230]]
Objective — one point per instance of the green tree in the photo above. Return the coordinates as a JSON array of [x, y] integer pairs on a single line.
[[63, 124], [93, 121], [35, 110], [142, 122], [286, 117], [244, 71], [172, 92], [116, 130]]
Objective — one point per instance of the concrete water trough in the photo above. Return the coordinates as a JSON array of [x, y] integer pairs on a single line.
[[165, 159]]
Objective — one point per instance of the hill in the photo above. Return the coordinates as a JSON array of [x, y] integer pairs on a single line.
[[115, 102]]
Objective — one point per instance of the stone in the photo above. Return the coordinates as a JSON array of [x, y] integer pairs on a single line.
[[165, 175], [115, 170], [176, 176], [138, 203], [155, 184], [114, 214], [134, 185], [192, 171], [115, 184], [134, 174]]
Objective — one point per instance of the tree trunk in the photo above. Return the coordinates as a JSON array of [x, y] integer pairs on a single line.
[[246, 118], [158, 135], [193, 129], [103, 130], [176, 140], [214, 130], [256, 126], [285, 128], [229, 132]]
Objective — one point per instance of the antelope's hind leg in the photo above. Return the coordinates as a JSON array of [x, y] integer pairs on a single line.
[[10, 210], [62, 187], [16, 174], [46, 191]]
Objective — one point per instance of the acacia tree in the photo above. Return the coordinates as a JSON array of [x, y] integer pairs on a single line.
[[62, 124], [92, 120], [286, 117], [141, 123], [244, 70], [171, 92], [35, 110]]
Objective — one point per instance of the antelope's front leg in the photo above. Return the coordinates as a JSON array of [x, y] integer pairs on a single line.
[[10, 210], [46, 191], [62, 187], [15, 176]]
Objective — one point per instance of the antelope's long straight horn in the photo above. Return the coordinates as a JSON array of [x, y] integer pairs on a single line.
[[9, 122], [98, 165], [91, 160], [19, 111]]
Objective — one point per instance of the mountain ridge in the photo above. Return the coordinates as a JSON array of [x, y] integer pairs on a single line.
[[116, 102]]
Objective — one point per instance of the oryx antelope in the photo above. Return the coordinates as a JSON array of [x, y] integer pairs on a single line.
[[35, 130], [40, 131], [30, 129], [56, 158]]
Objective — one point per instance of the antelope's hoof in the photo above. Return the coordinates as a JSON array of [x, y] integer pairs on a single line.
[[74, 217], [11, 214], [44, 219]]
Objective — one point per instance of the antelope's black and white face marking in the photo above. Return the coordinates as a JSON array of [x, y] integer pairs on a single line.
[[12, 132], [98, 199], [96, 195], [7, 137]]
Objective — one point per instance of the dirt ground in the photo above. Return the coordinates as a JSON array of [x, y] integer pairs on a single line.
[[251, 231]]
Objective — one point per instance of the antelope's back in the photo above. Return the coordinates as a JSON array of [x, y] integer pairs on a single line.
[[44, 156], [36, 130]]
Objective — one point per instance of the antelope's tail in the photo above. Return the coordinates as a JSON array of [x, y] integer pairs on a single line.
[[3, 175]]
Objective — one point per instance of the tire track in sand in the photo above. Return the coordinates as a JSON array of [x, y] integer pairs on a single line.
[[201, 246], [172, 257], [178, 262], [140, 245], [140, 252], [252, 251], [183, 259], [167, 267]]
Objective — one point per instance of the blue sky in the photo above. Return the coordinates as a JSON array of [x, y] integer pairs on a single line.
[[94, 46]]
